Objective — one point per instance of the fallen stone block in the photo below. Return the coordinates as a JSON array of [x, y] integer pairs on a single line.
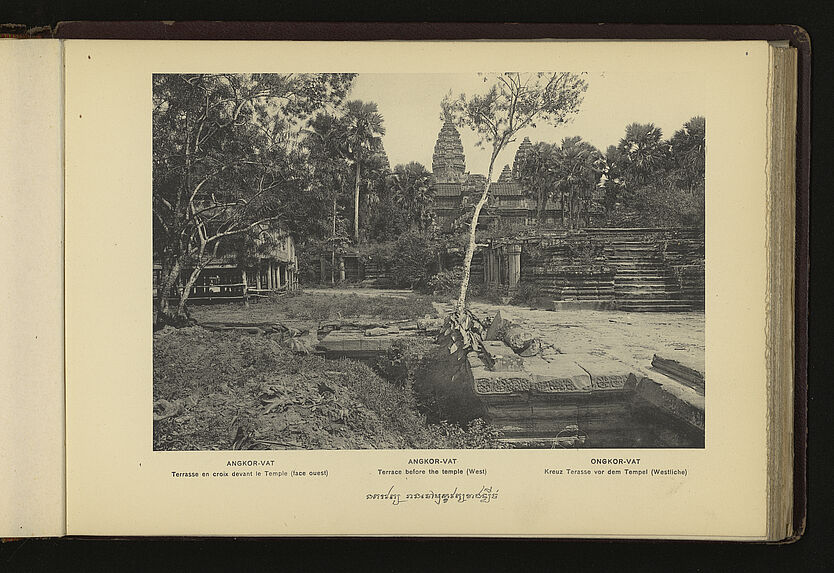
[[671, 397], [376, 331], [605, 373], [497, 327], [500, 357], [518, 338], [430, 325], [680, 370], [532, 349]]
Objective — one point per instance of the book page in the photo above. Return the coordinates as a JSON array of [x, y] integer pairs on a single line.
[[574, 455], [31, 286]]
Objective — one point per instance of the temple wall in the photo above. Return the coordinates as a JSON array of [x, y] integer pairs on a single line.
[[635, 269]]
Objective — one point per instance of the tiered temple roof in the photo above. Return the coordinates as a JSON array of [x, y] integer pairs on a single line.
[[454, 187], [448, 163], [523, 150]]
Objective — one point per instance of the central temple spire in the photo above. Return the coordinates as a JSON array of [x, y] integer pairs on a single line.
[[448, 162]]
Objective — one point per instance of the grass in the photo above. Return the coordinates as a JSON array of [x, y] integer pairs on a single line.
[[318, 307]]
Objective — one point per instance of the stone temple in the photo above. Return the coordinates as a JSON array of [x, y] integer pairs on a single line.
[[594, 267], [638, 269], [455, 188]]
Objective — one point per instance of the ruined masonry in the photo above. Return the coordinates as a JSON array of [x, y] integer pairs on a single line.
[[585, 399]]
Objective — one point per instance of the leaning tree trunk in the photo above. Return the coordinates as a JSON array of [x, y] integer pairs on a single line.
[[186, 292], [169, 276], [470, 247], [356, 203]]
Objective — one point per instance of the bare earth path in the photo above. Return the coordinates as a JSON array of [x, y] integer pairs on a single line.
[[631, 337], [361, 291]]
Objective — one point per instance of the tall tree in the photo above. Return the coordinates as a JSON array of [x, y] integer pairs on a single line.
[[362, 137], [688, 151], [643, 153], [537, 170], [224, 163], [414, 194], [330, 170], [514, 101], [578, 170]]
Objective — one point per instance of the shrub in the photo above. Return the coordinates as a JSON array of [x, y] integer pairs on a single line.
[[445, 282], [526, 293]]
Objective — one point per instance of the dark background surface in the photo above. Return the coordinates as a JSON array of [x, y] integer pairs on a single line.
[[811, 553]]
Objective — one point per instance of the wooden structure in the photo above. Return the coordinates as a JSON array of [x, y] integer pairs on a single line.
[[274, 268]]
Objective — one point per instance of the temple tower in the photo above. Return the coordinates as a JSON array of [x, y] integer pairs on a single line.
[[523, 150], [448, 163], [506, 175]]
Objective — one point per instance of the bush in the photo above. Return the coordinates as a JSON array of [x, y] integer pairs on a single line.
[[526, 293], [478, 434], [445, 282]]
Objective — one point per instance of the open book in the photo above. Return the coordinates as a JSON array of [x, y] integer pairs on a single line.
[[620, 365]]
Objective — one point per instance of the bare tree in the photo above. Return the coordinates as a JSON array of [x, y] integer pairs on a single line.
[[514, 101]]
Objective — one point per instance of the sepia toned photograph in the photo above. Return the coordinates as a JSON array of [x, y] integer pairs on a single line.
[[428, 261]]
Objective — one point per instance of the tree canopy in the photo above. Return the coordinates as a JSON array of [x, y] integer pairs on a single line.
[[226, 161]]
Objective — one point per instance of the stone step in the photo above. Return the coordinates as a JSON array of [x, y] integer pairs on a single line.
[[638, 280], [635, 263], [646, 289], [653, 306], [657, 270]]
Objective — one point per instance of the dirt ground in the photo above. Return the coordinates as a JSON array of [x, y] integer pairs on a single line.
[[631, 337]]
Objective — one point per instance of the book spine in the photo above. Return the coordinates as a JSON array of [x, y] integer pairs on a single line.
[[32, 476], [781, 215]]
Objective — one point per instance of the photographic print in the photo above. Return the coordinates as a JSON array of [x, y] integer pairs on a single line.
[[428, 261]]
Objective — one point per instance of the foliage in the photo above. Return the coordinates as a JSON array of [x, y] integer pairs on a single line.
[[688, 151], [411, 265], [408, 259], [225, 381], [579, 166], [445, 282], [414, 195], [478, 434], [361, 139], [403, 359], [330, 172], [526, 293], [537, 171], [570, 172], [658, 182], [225, 163]]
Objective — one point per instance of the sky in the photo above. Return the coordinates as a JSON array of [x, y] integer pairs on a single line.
[[410, 107]]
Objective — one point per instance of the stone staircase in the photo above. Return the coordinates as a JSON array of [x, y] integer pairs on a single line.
[[642, 282]]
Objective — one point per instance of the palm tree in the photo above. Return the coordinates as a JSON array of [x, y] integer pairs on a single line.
[[324, 140], [644, 151], [578, 172], [413, 194], [537, 170], [361, 137], [687, 148]]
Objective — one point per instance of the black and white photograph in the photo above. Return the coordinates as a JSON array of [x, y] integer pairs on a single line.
[[500, 260]]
